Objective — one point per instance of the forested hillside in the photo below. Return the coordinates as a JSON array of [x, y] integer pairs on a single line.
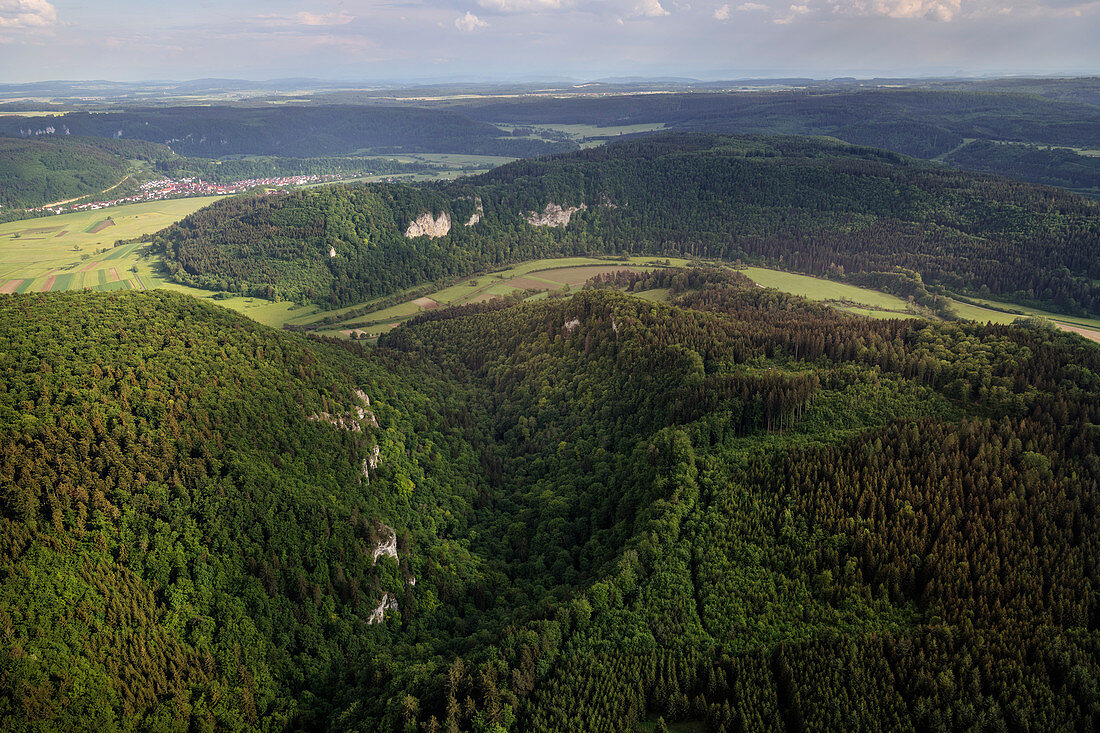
[[742, 511], [289, 131], [922, 123], [1051, 166], [808, 204], [926, 123], [34, 171]]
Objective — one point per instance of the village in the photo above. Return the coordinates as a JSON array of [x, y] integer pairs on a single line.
[[169, 188]]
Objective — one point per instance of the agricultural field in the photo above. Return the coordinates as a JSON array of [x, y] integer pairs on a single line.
[[588, 136], [77, 251]]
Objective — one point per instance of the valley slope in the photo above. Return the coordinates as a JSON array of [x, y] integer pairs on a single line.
[[808, 204], [742, 510]]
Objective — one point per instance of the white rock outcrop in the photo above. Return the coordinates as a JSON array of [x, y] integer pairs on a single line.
[[344, 422], [353, 419], [426, 226], [476, 216], [378, 615], [331, 252], [387, 543], [553, 215], [371, 463], [570, 325]]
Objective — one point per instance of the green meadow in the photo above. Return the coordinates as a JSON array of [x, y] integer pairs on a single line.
[[77, 251], [864, 301]]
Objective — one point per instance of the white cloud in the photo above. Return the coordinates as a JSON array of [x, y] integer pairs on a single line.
[[930, 9], [754, 7], [792, 12], [27, 14], [649, 9], [469, 22], [722, 13], [340, 18], [521, 6]]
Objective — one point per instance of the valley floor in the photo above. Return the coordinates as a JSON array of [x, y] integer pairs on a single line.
[[79, 252]]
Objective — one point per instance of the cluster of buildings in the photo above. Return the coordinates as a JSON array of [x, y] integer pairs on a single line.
[[169, 188]]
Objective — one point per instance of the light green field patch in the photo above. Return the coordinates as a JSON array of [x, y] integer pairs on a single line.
[[578, 132], [819, 289], [656, 295], [25, 252], [554, 274], [1023, 311], [981, 315]]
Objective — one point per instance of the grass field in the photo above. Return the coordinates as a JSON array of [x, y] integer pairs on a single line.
[[1005, 310], [68, 252], [582, 131], [542, 275], [854, 299], [1087, 327]]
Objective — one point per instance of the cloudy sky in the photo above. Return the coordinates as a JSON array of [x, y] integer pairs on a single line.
[[370, 40]]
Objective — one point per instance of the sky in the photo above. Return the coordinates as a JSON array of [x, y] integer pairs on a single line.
[[480, 40]]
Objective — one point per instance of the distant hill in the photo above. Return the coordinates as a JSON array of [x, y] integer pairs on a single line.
[[810, 204], [922, 122], [290, 131], [37, 171]]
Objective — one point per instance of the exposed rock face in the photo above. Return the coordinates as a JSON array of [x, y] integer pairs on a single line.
[[476, 216], [378, 615], [344, 422], [387, 543], [426, 226], [570, 325], [331, 252], [553, 215], [351, 420], [369, 464]]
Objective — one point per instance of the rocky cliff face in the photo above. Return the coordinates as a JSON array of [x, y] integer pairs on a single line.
[[378, 615], [426, 226], [476, 216], [553, 215], [387, 543]]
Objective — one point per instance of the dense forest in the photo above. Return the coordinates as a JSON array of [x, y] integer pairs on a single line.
[[290, 131], [1051, 166], [232, 170], [40, 171], [741, 511], [809, 204], [926, 123]]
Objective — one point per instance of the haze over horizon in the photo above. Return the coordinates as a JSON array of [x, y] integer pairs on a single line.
[[126, 40]]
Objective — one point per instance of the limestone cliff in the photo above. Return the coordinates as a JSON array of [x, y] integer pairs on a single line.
[[426, 226], [553, 215]]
